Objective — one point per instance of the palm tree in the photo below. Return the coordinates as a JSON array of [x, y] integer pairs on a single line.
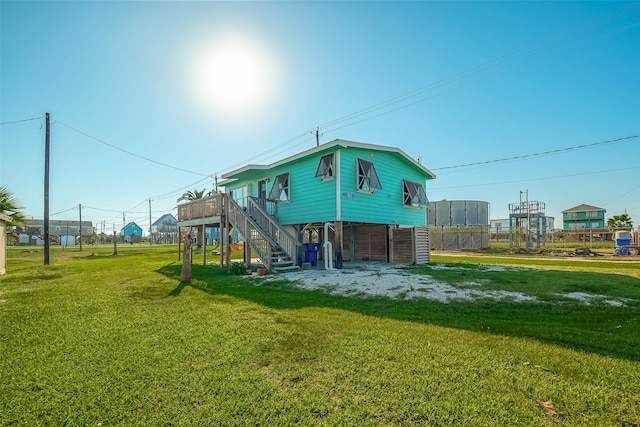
[[10, 206], [191, 196], [620, 222]]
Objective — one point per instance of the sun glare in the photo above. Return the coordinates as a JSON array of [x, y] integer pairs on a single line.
[[233, 77]]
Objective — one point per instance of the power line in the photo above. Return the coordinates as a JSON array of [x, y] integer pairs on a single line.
[[21, 121], [391, 105], [543, 153], [268, 151], [128, 152], [532, 179], [605, 19], [180, 190], [67, 210]]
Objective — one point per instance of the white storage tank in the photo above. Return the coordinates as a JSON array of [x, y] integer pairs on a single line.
[[458, 212], [458, 224]]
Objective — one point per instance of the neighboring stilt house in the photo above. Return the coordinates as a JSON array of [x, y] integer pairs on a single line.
[[357, 201]]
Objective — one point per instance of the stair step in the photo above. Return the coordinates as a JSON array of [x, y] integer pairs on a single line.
[[285, 269]]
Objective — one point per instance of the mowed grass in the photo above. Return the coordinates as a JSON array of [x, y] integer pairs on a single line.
[[96, 339]]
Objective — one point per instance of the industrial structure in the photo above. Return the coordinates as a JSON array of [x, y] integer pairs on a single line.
[[527, 223]]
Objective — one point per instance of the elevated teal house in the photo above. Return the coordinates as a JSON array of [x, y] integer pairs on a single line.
[[131, 232], [583, 216], [349, 201]]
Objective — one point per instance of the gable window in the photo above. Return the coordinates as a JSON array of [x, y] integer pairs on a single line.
[[413, 194], [280, 188], [367, 176], [325, 167]]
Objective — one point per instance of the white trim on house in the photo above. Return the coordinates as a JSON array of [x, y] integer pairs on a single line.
[[335, 143]]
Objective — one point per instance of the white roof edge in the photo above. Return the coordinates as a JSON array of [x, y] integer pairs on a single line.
[[322, 147]]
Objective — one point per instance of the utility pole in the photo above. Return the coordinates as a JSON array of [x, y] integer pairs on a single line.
[[47, 152], [318, 135], [80, 227], [150, 235]]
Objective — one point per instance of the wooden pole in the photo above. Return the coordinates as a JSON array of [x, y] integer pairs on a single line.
[[47, 154], [247, 243], [227, 235], [204, 245], [80, 228], [185, 273], [150, 235]]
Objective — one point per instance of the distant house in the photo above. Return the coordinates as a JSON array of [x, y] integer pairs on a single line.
[[164, 229], [4, 220], [60, 231], [131, 232], [583, 216], [357, 201], [501, 225]]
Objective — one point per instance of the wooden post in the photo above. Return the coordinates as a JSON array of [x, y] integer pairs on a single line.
[[179, 240], [220, 245], [204, 245], [115, 243], [247, 243], [80, 228], [226, 203], [185, 273], [337, 243]]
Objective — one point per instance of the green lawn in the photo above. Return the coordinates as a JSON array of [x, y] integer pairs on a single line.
[[95, 339]]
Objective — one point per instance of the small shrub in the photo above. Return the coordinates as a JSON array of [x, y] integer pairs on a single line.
[[238, 268]]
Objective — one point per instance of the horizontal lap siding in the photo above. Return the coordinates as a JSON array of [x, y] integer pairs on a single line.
[[383, 206], [311, 198]]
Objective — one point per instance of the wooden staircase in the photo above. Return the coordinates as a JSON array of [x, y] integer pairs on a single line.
[[275, 247]]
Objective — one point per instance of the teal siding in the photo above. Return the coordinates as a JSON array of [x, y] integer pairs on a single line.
[[312, 199], [383, 206], [583, 219]]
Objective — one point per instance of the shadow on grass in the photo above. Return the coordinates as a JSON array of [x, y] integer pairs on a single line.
[[604, 330]]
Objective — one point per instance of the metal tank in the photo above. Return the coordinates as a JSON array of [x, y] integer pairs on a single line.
[[458, 212], [458, 224]]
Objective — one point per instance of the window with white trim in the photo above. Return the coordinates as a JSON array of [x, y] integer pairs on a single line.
[[413, 194], [325, 167], [280, 188], [240, 195], [367, 176]]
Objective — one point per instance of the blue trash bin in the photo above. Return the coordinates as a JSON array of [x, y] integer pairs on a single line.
[[311, 253], [622, 246]]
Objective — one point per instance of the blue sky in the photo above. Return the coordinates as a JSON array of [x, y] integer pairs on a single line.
[[135, 87]]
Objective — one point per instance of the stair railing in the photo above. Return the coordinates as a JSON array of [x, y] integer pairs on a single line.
[[259, 209], [259, 241]]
